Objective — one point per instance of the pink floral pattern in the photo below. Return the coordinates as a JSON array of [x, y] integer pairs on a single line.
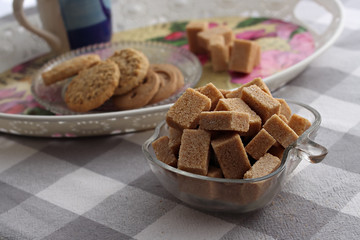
[[254, 34], [283, 29], [175, 36], [19, 106], [7, 93], [299, 40], [13, 101]]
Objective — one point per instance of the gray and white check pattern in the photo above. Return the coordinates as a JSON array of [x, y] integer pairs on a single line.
[[102, 188]]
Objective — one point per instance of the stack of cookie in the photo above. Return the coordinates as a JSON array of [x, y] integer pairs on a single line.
[[126, 78]]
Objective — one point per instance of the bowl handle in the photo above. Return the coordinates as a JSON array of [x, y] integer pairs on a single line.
[[311, 151]]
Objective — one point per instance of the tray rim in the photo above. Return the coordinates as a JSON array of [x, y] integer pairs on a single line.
[[302, 64]]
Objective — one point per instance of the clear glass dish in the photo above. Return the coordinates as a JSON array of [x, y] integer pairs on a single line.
[[237, 195], [51, 97]]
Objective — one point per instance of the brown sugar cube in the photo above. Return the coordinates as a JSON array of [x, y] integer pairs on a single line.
[[277, 150], [192, 30], [239, 194], [231, 155], [163, 151], [236, 104], [215, 172], [283, 118], [260, 144], [201, 189], [224, 120], [264, 166], [243, 56], [256, 81], [194, 151], [284, 108], [230, 50], [185, 113], [280, 131], [263, 104], [213, 187], [219, 53], [224, 31], [193, 186], [224, 91], [299, 124], [175, 139], [211, 92]]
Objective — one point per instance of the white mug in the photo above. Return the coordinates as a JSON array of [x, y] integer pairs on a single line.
[[69, 24]]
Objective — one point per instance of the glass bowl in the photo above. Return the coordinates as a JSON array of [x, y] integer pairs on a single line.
[[236, 195]]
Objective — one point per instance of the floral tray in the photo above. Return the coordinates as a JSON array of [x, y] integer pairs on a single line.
[[287, 48]]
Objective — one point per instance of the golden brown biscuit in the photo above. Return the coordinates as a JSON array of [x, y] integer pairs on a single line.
[[92, 87], [139, 96], [180, 82], [133, 66], [69, 68], [168, 81]]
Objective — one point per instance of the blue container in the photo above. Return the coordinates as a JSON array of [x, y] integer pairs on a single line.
[[86, 21]]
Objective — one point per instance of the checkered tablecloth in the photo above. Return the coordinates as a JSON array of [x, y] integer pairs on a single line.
[[102, 188]]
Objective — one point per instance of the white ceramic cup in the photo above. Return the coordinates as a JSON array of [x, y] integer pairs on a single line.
[[69, 24]]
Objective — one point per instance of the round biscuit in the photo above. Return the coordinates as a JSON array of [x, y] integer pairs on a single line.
[[133, 66], [139, 96], [92, 87], [69, 68], [180, 78], [168, 85]]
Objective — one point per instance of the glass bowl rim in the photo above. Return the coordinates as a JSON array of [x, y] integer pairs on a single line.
[[306, 135]]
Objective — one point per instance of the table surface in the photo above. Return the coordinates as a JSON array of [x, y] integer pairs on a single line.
[[102, 188]]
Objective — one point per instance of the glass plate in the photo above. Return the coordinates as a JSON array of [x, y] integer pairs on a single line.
[[51, 97]]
